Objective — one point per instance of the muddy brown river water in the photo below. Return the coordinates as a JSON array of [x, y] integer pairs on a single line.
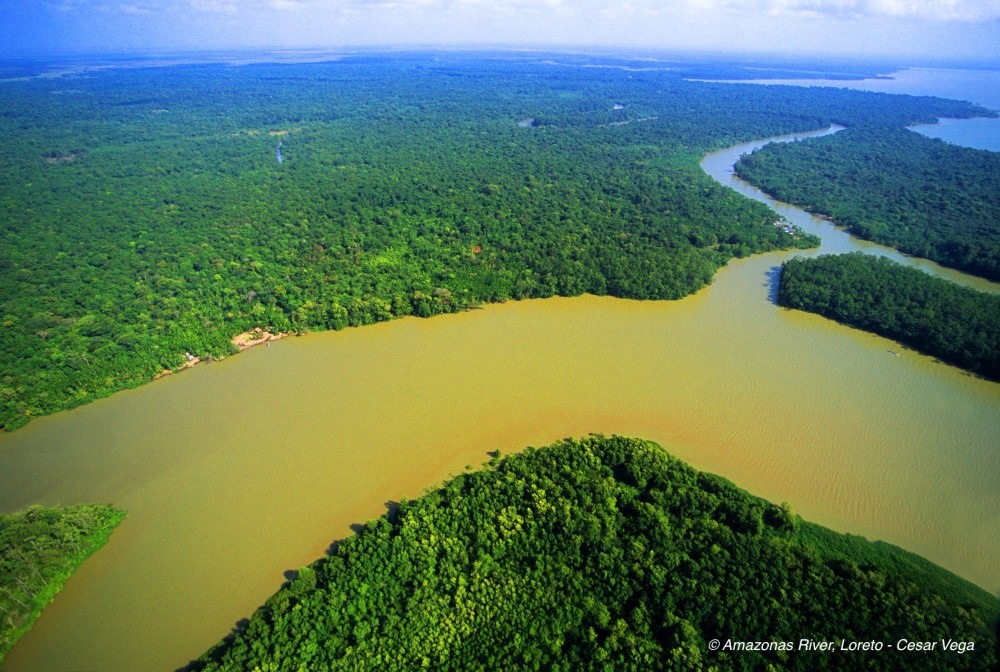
[[237, 471]]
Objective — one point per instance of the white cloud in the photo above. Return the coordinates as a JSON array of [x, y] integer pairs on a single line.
[[956, 10], [962, 10], [933, 27], [937, 10], [933, 10], [213, 6], [135, 10]]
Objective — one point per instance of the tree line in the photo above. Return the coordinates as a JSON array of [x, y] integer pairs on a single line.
[[605, 554], [144, 216], [39, 549], [896, 187], [937, 317]]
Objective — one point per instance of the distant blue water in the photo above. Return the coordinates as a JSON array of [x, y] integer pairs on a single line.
[[976, 86], [977, 133]]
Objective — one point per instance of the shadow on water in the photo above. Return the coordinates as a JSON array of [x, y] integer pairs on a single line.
[[773, 279], [216, 653], [996, 642]]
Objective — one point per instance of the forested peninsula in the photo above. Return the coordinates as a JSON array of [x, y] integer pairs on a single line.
[[934, 316], [146, 221], [609, 554], [39, 549], [896, 187]]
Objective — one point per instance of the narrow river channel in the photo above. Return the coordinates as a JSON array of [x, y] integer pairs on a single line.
[[238, 471]]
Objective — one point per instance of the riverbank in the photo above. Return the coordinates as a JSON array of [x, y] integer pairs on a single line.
[[243, 341], [40, 548], [359, 418], [256, 336]]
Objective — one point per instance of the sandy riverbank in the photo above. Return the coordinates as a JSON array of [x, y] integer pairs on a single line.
[[243, 341], [249, 339]]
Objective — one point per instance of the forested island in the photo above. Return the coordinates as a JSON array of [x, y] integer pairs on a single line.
[[896, 187], [39, 549], [147, 222], [934, 316], [609, 554]]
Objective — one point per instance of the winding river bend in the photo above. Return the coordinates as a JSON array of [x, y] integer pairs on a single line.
[[237, 471]]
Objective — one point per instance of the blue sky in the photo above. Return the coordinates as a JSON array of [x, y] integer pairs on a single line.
[[913, 29]]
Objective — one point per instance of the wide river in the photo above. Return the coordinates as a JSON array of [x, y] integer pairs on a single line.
[[235, 472]]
